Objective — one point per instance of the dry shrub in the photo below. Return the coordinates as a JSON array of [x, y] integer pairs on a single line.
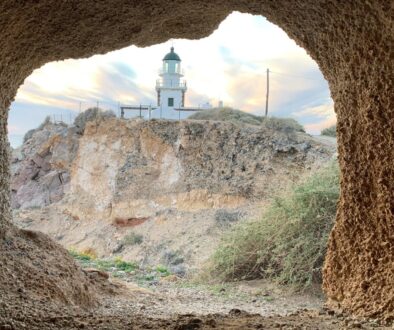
[[239, 117], [288, 243], [330, 131]]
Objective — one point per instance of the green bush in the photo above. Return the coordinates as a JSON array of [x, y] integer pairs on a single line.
[[330, 131], [288, 243]]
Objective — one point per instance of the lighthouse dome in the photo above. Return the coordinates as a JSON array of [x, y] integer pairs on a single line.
[[172, 56]]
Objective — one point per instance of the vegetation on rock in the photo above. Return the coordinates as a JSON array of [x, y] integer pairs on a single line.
[[330, 131], [91, 114], [282, 124], [288, 243], [240, 117], [227, 114]]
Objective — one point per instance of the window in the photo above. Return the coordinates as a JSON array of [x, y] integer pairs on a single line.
[[170, 101]]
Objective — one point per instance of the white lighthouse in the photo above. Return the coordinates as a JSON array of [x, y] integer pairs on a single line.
[[170, 87]]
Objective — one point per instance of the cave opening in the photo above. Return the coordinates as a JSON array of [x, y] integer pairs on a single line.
[[363, 138], [118, 221]]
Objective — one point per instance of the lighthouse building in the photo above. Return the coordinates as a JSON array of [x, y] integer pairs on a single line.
[[170, 87], [171, 90]]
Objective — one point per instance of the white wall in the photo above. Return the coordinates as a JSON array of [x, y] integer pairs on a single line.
[[166, 111]]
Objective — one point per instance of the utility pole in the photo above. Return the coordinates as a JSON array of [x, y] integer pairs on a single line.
[[268, 91]]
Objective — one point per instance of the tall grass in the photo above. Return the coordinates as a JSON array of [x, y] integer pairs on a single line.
[[288, 243]]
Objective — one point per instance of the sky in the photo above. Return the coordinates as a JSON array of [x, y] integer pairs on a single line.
[[230, 66]]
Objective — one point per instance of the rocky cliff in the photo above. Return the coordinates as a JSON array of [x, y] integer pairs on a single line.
[[172, 184]]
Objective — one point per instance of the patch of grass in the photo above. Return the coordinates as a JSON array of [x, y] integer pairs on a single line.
[[132, 239], [105, 265], [163, 271], [288, 244], [124, 265], [85, 255], [330, 131], [89, 259]]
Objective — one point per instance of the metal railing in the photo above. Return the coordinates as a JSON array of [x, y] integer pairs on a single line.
[[161, 84]]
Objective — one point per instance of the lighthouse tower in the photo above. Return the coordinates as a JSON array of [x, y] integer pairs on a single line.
[[170, 87]]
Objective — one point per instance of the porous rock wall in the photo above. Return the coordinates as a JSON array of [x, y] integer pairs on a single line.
[[352, 41]]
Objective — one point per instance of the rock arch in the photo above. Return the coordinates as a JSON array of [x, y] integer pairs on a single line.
[[352, 41]]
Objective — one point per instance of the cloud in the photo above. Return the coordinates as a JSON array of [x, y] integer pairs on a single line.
[[230, 65], [320, 111], [317, 127]]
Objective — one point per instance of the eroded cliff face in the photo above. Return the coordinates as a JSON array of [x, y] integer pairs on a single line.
[[174, 183], [118, 165], [126, 169]]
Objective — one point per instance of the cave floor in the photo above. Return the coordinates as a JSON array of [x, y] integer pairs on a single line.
[[184, 305]]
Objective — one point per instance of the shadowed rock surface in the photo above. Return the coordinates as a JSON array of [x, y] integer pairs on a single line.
[[352, 42]]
